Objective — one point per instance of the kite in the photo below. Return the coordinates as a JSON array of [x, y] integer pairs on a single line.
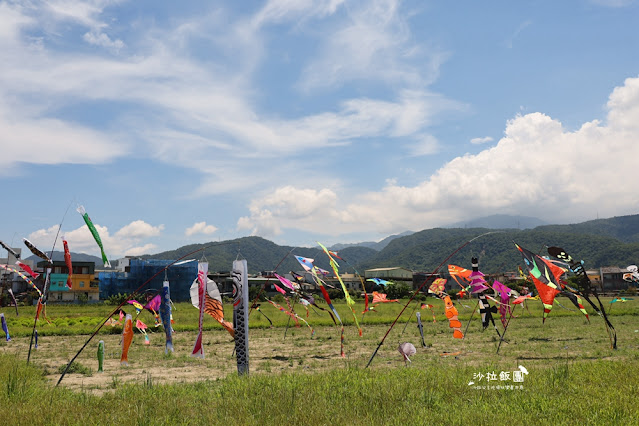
[[306, 263], [257, 308], [299, 278], [287, 283], [545, 276], [334, 313], [28, 270], [95, 234], [504, 299], [212, 303], [585, 289], [240, 315], [421, 328], [37, 251], [349, 300], [621, 299], [100, 356], [142, 329], [378, 281], [10, 250], [200, 287], [165, 315], [453, 320], [407, 349], [4, 327], [459, 274], [153, 306], [381, 298], [477, 281], [292, 315], [127, 338], [437, 286], [67, 261], [24, 277], [15, 303], [426, 305]]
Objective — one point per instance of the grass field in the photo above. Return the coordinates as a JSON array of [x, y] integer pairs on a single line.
[[573, 375]]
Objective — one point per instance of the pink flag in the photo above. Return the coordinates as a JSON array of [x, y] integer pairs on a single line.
[[280, 289]]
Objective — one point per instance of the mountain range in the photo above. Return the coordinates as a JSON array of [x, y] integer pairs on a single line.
[[600, 242]]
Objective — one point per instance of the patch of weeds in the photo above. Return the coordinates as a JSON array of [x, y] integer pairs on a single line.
[[77, 368], [115, 382]]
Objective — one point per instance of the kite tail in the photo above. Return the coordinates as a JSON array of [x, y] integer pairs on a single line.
[[341, 350]]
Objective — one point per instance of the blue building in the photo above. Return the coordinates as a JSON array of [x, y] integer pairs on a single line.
[[132, 273]]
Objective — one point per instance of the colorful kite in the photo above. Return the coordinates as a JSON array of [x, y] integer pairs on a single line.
[[127, 338], [257, 308], [349, 300], [437, 286], [212, 303], [67, 261], [378, 281], [381, 298], [24, 277], [453, 319], [545, 276], [429, 306], [292, 315], [306, 263], [95, 234], [585, 289], [142, 329], [477, 282], [504, 301], [632, 276]]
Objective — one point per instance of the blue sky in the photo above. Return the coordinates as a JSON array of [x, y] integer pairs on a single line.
[[306, 120]]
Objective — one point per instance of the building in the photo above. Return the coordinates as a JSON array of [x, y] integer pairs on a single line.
[[149, 274], [84, 286], [612, 278]]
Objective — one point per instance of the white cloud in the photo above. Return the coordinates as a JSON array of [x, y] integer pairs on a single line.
[[478, 141], [373, 42], [538, 167], [125, 241], [139, 229], [200, 228]]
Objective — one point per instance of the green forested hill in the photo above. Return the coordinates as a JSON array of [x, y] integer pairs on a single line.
[[602, 242], [624, 228]]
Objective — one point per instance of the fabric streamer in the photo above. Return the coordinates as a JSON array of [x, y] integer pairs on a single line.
[[95, 234], [36, 339], [127, 338], [26, 268], [212, 303], [9, 250], [100, 355], [202, 270], [165, 315], [429, 306], [240, 315], [421, 328], [142, 329], [15, 303], [24, 277], [291, 314], [5, 328], [67, 261]]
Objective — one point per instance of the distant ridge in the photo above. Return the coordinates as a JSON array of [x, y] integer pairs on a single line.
[[500, 221], [378, 246]]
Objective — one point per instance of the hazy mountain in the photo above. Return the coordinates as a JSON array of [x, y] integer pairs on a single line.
[[500, 221], [371, 244]]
